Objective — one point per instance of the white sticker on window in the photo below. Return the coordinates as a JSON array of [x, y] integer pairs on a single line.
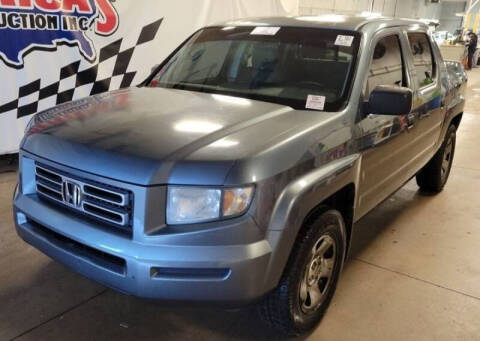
[[344, 40], [315, 102], [265, 31]]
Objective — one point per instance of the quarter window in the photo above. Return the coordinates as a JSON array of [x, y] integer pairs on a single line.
[[387, 65], [422, 58]]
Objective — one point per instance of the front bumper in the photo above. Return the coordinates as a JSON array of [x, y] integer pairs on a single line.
[[149, 267]]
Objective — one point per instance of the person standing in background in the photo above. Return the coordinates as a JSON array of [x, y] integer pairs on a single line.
[[476, 54], [472, 47]]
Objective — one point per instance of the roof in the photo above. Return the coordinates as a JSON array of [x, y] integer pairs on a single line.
[[333, 21]]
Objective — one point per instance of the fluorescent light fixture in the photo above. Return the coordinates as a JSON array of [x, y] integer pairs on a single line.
[[429, 21], [248, 23], [460, 14], [331, 18], [367, 14]]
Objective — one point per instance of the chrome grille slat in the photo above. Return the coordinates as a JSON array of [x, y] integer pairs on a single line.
[[49, 188], [51, 185], [123, 216], [49, 180], [114, 207], [53, 174], [44, 193], [122, 202]]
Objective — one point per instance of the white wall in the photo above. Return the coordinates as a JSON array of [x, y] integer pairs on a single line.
[[291, 6], [329, 6], [399, 8], [448, 20]]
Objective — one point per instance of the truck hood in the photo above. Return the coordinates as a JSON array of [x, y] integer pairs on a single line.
[[146, 135]]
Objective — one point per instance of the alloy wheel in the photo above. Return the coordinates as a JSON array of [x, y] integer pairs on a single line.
[[447, 159], [318, 273]]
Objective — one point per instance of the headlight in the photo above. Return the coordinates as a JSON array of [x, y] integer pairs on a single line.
[[190, 205]]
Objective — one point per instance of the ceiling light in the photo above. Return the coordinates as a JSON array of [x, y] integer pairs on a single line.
[[367, 14], [333, 18]]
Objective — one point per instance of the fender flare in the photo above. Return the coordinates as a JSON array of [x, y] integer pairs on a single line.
[[296, 201]]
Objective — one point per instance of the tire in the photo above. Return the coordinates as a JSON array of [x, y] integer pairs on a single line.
[[434, 175], [302, 296]]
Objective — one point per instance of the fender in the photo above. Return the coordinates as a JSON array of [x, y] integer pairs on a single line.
[[296, 201], [454, 100], [455, 108]]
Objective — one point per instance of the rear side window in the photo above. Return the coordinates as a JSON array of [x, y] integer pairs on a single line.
[[422, 58], [387, 65]]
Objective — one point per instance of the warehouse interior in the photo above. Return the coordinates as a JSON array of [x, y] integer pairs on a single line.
[[412, 272]]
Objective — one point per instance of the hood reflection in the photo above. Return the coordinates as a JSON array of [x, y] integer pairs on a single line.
[[197, 127]]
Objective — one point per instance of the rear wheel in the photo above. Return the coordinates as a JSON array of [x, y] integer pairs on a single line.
[[434, 176], [307, 286]]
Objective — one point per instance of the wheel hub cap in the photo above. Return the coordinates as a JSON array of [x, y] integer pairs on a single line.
[[318, 274], [447, 158]]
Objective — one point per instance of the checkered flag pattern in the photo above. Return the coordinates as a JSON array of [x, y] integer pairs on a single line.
[[33, 96]]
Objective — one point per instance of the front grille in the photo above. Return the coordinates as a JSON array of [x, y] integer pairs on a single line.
[[99, 201]]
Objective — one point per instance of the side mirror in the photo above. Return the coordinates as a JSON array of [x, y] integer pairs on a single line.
[[390, 100]]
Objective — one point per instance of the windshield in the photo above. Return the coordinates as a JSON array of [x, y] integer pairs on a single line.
[[287, 65]]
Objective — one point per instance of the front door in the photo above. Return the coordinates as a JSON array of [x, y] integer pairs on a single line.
[[385, 141]]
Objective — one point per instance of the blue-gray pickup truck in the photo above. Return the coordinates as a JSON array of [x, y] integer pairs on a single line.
[[235, 173]]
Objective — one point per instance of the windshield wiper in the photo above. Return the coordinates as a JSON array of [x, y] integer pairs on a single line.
[[191, 86]]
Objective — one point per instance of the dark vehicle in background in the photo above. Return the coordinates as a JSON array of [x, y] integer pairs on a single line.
[[236, 172]]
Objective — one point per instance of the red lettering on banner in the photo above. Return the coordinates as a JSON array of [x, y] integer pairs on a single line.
[[48, 5], [80, 5], [16, 3], [108, 21]]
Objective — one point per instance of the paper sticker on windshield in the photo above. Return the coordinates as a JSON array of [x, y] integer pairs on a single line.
[[265, 31], [315, 102], [344, 40]]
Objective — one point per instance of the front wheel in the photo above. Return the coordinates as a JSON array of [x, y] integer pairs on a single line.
[[434, 176], [307, 286]]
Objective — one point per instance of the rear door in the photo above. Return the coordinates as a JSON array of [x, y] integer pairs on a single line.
[[429, 95]]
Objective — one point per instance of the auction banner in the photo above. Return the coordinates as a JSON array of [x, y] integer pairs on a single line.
[[55, 51]]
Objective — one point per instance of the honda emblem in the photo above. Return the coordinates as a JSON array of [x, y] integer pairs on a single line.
[[72, 194]]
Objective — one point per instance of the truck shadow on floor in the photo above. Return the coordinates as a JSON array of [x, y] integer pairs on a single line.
[[378, 221]]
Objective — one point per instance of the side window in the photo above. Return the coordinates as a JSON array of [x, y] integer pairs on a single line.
[[387, 65], [422, 58]]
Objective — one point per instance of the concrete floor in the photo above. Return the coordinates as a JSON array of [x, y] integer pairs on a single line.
[[414, 275]]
